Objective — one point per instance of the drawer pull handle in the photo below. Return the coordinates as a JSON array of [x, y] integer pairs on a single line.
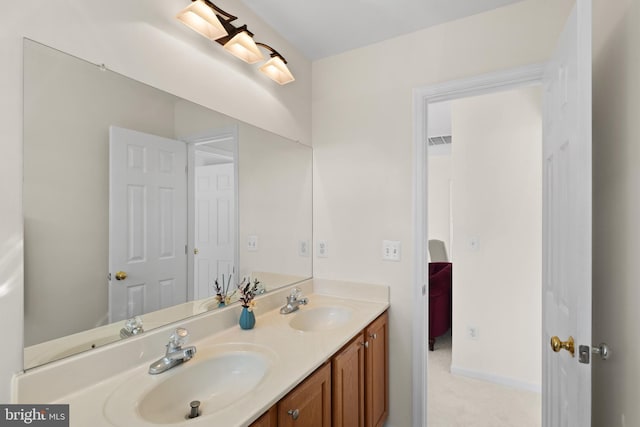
[[374, 336], [295, 414], [365, 344]]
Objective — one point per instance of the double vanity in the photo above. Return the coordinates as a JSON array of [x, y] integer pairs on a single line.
[[326, 359]]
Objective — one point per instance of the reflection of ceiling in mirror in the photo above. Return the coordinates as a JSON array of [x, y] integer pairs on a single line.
[[69, 105]]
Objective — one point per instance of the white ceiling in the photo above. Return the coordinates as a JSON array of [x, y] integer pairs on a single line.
[[328, 27]]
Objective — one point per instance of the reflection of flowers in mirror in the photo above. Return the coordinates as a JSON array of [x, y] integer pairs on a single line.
[[222, 291]]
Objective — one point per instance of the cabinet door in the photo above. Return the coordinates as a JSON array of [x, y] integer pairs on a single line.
[[348, 384], [268, 419], [309, 404], [377, 372]]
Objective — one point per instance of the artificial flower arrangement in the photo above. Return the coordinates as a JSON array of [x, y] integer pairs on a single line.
[[222, 292], [248, 291]]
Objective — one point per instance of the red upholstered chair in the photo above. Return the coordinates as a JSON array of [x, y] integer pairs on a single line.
[[440, 274]]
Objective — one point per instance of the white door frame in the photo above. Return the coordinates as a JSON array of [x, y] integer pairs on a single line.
[[422, 96]]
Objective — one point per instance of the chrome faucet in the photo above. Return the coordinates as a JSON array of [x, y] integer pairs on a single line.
[[293, 301], [175, 354], [132, 327]]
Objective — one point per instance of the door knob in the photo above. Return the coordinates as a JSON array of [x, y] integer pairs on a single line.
[[558, 345], [121, 275]]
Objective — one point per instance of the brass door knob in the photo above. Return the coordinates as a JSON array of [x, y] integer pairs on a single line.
[[557, 345], [121, 275]]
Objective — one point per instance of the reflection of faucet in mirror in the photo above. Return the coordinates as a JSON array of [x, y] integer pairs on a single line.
[[175, 354], [293, 301], [132, 327]]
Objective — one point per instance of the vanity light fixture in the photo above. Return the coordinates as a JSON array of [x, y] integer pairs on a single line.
[[242, 46], [276, 68], [202, 18], [215, 24]]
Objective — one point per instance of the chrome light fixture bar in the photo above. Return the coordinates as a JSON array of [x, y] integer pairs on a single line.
[[215, 24]]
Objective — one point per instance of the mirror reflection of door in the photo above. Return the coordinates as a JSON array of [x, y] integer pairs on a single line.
[[212, 210], [214, 222], [147, 213]]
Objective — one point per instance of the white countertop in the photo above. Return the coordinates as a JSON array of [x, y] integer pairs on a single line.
[[295, 355]]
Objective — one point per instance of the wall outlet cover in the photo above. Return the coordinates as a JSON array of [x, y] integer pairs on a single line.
[[323, 249], [303, 248], [252, 243], [472, 332]]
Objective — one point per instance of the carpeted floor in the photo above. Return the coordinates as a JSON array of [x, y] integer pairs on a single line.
[[455, 401]]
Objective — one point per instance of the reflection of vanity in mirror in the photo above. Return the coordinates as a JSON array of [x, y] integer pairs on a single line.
[[107, 240]]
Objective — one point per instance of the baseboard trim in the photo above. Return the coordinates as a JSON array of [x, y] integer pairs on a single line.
[[496, 379]]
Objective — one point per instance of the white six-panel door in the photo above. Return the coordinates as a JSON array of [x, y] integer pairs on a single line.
[[214, 226], [566, 383], [147, 222]]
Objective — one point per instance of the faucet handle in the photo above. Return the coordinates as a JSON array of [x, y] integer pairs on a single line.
[[134, 325], [295, 293], [179, 337]]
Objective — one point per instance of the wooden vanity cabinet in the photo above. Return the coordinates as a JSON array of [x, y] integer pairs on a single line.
[[351, 390], [268, 419], [348, 384], [309, 404], [360, 378], [377, 371]]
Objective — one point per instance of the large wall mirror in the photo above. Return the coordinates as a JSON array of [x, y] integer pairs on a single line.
[[136, 201]]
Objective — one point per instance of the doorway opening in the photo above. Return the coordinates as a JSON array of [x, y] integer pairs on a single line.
[[485, 206], [484, 84]]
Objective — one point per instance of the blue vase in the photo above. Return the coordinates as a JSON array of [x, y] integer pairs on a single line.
[[247, 319]]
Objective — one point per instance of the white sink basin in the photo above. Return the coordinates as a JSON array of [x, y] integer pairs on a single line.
[[218, 377], [320, 318]]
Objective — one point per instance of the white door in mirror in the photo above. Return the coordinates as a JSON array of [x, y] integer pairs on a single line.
[[147, 205], [214, 226]]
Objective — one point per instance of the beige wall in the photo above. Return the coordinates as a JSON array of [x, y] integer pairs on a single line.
[[362, 137], [616, 211], [141, 40], [274, 204], [497, 199], [439, 203]]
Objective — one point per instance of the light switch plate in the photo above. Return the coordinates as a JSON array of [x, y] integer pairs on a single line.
[[391, 250], [474, 244]]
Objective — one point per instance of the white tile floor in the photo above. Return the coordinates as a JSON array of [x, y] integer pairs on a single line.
[[455, 401]]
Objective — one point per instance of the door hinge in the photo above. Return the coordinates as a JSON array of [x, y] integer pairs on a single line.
[[424, 290], [109, 276]]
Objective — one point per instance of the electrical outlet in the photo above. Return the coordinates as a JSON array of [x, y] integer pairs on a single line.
[[303, 248], [252, 243], [323, 249], [391, 250], [472, 332]]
